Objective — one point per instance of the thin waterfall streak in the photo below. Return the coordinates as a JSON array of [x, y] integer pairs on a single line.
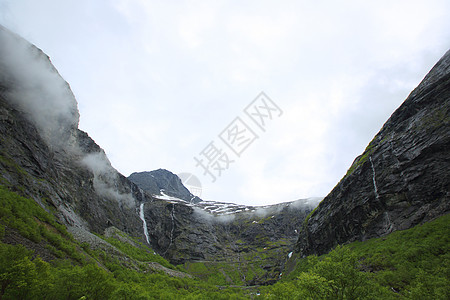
[[377, 196], [144, 223]]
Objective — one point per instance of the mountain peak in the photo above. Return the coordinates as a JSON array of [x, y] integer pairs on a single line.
[[163, 182]]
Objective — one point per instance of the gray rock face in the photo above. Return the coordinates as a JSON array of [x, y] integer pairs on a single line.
[[232, 234], [402, 178], [155, 182]]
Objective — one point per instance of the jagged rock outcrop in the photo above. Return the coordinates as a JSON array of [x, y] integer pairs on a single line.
[[402, 178], [163, 181], [234, 235], [195, 234]]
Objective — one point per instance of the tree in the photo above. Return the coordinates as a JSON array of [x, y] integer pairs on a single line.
[[17, 273], [341, 270], [313, 286]]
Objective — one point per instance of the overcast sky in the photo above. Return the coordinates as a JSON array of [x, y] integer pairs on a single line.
[[160, 82]]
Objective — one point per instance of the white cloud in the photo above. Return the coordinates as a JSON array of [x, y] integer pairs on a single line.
[[157, 81]]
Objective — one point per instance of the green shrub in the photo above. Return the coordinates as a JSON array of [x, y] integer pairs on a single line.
[[414, 263]]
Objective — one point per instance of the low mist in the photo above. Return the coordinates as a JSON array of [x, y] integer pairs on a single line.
[[33, 85], [210, 217], [308, 203], [37, 89], [106, 178]]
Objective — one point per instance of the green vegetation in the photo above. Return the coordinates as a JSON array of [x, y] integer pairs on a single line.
[[412, 261], [140, 253], [35, 224], [305, 222], [226, 273], [8, 163], [335, 276], [437, 118], [25, 277], [247, 266], [363, 158], [79, 272], [410, 264]]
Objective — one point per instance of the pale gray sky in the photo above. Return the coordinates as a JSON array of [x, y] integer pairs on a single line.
[[158, 81]]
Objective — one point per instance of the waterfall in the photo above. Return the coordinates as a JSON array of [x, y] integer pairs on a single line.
[[377, 196], [144, 223], [388, 227]]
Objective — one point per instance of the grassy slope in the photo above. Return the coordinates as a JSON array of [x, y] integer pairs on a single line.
[[77, 270], [412, 264]]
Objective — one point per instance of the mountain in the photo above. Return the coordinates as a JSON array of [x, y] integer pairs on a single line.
[[224, 236], [402, 178], [45, 157], [163, 182], [71, 226]]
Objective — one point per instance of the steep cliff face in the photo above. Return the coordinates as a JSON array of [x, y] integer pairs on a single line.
[[400, 180], [190, 232], [222, 233]]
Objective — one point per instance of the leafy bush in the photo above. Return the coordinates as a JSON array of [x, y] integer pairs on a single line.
[[139, 253], [414, 263], [34, 223]]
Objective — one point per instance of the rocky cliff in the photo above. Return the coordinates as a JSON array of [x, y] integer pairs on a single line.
[[208, 230], [43, 154], [225, 233], [400, 180]]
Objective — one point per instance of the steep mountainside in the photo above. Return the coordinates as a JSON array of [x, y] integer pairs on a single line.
[[163, 182], [45, 157], [402, 178], [43, 154], [231, 235]]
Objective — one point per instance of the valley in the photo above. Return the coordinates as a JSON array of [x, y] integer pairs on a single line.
[[73, 227]]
